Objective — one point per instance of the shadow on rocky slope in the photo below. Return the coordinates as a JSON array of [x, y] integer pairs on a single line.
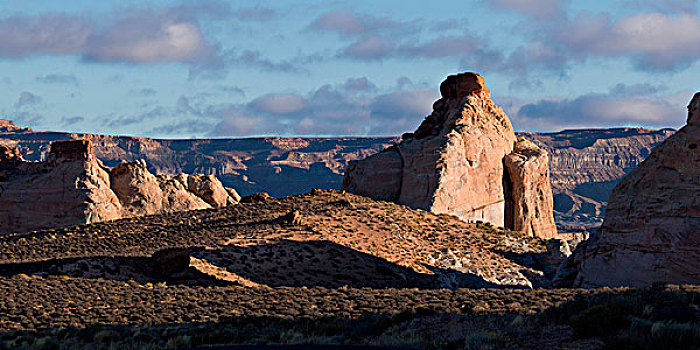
[[285, 263], [289, 263]]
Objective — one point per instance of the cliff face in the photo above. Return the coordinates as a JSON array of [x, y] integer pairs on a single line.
[[73, 187], [460, 162], [584, 164], [651, 231], [279, 166]]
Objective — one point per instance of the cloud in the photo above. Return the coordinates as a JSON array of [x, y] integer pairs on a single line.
[[369, 48], [58, 79], [149, 37], [50, 34], [599, 111], [359, 84], [342, 109], [667, 6], [279, 103], [70, 121], [27, 99], [643, 89], [350, 24], [255, 13], [251, 58], [654, 41], [145, 92], [134, 36], [547, 9]]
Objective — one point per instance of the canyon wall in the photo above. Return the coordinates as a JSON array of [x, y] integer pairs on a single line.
[[584, 164], [651, 230]]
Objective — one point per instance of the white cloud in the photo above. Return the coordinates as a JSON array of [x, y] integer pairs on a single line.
[[656, 41], [137, 36], [599, 111]]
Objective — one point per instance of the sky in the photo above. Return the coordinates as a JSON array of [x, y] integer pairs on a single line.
[[211, 68]]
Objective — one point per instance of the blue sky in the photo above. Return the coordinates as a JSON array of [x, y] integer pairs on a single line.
[[181, 69]]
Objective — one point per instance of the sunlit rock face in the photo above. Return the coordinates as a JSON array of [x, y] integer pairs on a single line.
[[73, 187], [651, 231], [454, 162]]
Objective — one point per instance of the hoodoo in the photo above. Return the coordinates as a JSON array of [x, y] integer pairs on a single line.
[[73, 187], [651, 230], [461, 161]]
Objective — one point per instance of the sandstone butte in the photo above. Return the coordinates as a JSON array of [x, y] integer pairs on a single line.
[[651, 230], [464, 159], [73, 187]]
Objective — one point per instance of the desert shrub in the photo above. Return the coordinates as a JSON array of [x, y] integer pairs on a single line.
[[178, 342], [483, 341], [46, 343], [600, 320]]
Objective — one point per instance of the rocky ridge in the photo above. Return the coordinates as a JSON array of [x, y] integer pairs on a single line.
[[72, 186], [652, 224], [584, 164], [454, 163]]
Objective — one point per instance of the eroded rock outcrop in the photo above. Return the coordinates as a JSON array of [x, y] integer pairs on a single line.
[[454, 163], [651, 231], [531, 203], [73, 187]]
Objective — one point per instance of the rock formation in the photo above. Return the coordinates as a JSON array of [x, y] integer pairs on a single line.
[[531, 204], [584, 164], [73, 187], [454, 163], [651, 231]]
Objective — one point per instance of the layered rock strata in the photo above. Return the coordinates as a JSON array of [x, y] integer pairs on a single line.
[[584, 164], [73, 187], [651, 231], [454, 163]]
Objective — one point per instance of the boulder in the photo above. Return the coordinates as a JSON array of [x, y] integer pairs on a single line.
[[167, 262], [454, 163], [260, 197], [209, 188], [651, 230]]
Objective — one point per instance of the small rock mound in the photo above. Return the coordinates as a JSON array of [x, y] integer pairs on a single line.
[[260, 197]]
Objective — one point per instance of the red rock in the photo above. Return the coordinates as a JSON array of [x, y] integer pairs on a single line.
[[73, 187], [454, 162], [651, 231], [531, 203]]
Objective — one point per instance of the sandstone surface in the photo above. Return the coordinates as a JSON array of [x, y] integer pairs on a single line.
[[531, 203], [73, 187], [584, 164], [454, 164], [651, 231]]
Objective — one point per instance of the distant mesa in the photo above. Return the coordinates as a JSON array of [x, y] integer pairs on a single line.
[[73, 187], [651, 230], [9, 126], [464, 159]]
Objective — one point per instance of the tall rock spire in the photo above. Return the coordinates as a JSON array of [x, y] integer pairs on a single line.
[[454, 162]]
